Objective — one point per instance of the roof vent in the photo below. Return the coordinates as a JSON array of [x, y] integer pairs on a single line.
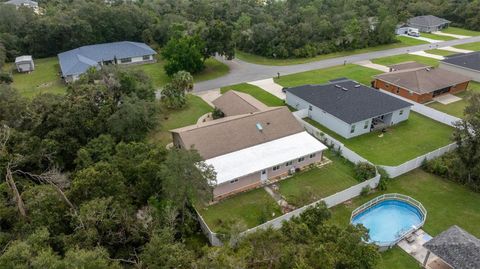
[[344, 89], [357, 86], [338, 86], [259, 127]]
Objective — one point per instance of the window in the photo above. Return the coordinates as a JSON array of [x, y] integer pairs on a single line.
[[264, 172], [288, 163], [401, 112], [301, 159], [387, 85], [310, 108], [398, 90], [365, 126], [352, 130], [312, 155], [233, 181], [146, 57], [275, 168], [126, 60]]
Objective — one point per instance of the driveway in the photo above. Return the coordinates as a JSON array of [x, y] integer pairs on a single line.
[[429, 55], [270, 86], [429, 40], [369, 64], [241, 72], [452, 49], [451, 35]]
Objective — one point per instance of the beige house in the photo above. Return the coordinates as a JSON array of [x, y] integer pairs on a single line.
[[249, 150]]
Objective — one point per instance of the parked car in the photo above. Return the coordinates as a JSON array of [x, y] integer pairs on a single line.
[[413, 32]]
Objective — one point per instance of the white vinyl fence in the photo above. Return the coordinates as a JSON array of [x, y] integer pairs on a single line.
[[211, 236]]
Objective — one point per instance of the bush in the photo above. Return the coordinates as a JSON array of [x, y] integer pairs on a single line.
[[384, 177], [364, 171], [6, 78], [217, 114], [365, 191]]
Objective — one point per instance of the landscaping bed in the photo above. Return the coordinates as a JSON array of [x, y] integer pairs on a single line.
[[456, 108], [402, 142]]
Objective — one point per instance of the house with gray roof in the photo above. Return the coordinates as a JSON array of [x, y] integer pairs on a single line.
[[24, 3], [347, 107], [455, 247], [75, 62], [428, 23], [466, 64]]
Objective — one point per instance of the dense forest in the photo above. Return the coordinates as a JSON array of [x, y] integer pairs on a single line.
[[270, 28]]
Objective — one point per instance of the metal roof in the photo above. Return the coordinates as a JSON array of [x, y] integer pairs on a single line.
[[24, 58], [467, 60], [77, 61], [456, 247], [349, 100]]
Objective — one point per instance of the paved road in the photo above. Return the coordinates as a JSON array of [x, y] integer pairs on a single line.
[[241, 71]]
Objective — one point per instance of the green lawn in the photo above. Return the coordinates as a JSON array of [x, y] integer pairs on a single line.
[[359, 73], [440, 52], [172, 119], [460, 31], [312, 185], [469, 46], [260, 94], [447, 203], [405, 58], [44, 79], [456, 109], [437, 37], [253, 208], [402, 142], [252, 58]]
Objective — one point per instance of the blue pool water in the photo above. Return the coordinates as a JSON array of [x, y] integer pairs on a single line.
[[387, 220]]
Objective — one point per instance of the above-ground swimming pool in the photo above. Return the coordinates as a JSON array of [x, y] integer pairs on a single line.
[[389, 218]]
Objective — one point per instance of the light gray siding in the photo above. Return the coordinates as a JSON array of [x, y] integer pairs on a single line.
[[474, 75]]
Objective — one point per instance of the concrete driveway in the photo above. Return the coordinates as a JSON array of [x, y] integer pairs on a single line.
[[452, 35], [369, 64], [270, 86], [429, 40], [452, 49], [429, 55]]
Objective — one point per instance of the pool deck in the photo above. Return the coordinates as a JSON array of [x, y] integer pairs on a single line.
[[413, 245]]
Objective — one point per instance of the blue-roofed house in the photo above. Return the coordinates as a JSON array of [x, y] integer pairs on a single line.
[[75, 62]]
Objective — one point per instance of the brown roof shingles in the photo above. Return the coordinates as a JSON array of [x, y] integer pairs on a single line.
[[234, 103], [423, 80], [234, 133]]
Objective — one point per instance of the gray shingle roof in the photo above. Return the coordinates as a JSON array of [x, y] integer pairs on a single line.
[[349, 100], [456, 247], [467, 60], [19, 3], [77, 61], [427, 21]]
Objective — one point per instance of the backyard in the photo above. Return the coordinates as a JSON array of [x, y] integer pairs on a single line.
[[447, 204], [456, 108], [255, 207], [405, 58], [251, 58], [352, 71], [402, 142], [260, 94], [171, 119]]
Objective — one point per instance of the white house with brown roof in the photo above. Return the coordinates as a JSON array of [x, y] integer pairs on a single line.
[[248, 150]]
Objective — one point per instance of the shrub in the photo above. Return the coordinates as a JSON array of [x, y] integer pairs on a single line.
[[384, 177], [365, 191], [217, 113], [6, 78], [364, 171]]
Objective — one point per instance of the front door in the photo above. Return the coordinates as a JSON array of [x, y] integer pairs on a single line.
[[264, 175]]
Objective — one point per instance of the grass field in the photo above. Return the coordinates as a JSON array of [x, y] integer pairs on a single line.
[[469, 46], [456, 109], [440, 52], [312, 185], [252, 208], [251, 58], [359, 73], [447, 203], [172, 119], [405, 58], [402, 142], [460, 31], [437, 37], [44, 79], [260, 94]]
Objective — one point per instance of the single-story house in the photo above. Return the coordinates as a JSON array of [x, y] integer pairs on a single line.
[[234, 103], [24, 3], [456, 248], [24, 63], [428, 23], [466, 64], [75, 62], [347, 107], [421, 84], [247, 151], [406, 65]]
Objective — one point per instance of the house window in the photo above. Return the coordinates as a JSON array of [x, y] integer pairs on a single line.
[[146, 57], [352, 130], [312, 155], [365, 126], [126, 60], [234, 181], [401, 112], [264, 172], [288, 163], [310, 108], [301, 159], [398, 90], [275, 168], [387, 85]]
